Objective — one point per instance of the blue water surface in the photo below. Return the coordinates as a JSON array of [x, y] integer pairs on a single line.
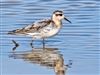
[[78, 41]]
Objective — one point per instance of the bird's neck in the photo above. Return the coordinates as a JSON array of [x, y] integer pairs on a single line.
[[57, 23]]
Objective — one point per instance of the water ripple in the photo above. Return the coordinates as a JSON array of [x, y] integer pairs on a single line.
[[80, 39]]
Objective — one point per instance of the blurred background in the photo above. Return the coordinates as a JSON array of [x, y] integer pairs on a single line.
[[78, 41]]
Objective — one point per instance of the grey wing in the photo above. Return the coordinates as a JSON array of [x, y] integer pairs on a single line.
[[32, 28]]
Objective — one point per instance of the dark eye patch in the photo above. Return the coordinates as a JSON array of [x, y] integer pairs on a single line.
[[59, 14]]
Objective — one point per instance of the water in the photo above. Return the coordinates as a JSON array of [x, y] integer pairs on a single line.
[[78, 41]]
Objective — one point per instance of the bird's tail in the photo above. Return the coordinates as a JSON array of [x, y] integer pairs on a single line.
[[14, 31]]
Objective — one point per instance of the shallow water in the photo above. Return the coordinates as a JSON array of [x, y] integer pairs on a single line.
[[78, 41]]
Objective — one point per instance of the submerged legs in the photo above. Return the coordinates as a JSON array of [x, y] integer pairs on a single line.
[[43, 43], [31, 44]]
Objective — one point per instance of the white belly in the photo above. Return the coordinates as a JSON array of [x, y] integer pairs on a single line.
[[35, 35], [49, 33], [44, 33]]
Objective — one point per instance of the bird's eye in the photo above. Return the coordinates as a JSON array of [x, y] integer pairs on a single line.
[[59, 14]]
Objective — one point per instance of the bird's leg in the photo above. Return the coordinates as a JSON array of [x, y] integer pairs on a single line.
[[31, 44], [43, 43]]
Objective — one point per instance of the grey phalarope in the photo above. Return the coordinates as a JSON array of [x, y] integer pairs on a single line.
[[43, 29]]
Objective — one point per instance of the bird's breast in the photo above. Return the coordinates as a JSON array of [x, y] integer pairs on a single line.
[[50, 31]]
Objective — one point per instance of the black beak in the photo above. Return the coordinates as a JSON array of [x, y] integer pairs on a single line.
[[67, 20]]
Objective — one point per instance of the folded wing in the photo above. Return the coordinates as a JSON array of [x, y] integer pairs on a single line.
[[31, 28]]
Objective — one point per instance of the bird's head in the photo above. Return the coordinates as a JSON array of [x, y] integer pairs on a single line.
[[59, 16]]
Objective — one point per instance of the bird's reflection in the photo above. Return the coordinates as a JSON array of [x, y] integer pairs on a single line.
[[48, 57]]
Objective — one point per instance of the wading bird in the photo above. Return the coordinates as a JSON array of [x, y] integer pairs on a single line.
[[43, 29]]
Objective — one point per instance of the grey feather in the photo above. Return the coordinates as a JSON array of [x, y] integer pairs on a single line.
[[31, 28]]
